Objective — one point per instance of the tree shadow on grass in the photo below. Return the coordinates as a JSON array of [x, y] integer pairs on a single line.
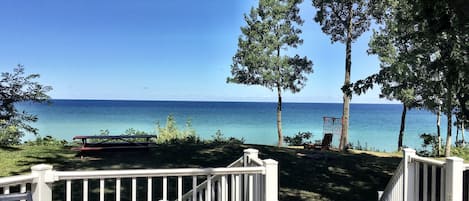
[[8, 148], [326, 175], [303, 174]]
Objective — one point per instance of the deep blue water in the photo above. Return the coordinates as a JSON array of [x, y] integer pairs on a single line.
[[374, 125]]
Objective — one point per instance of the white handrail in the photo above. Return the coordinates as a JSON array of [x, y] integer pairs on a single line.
[[13, 180], [244, 174], [257, 161], [103, 174], [428, 161], [213, 178], [390, 187], [236, 163]]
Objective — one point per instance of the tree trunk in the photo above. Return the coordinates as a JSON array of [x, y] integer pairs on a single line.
[[457, 131], [346, 98], [450, 121], [279, 116], [401, 131], [462, 133], [279, 105], [438, 130]]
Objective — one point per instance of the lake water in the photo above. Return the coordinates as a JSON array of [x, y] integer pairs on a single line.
[[373, 125]]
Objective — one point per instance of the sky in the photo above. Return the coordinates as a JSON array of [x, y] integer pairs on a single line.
[[160, 50]]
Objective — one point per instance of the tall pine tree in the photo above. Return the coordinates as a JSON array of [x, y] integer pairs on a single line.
[[271, 29], [344, 21]]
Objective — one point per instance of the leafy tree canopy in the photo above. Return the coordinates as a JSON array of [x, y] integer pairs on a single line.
[[16, 87], [271, 28]]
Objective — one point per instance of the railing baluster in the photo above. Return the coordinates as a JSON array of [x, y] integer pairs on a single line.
[[233, 187], [238, 188], [23, 188], [433, 196], [467, 185], [442, 184], [218, 190], [200, 194], [425, 182], [417, 181], [149, 189], [118, 189], [85, 189], [179, 188], [215, 187], [208, 195], [165, 188], [68, 190], [223, 188], [194, 188], [250, 187], [263, 186], [134, 189], [101, 189]]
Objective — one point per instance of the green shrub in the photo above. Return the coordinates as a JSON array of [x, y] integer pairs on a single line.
[[429, 145], [361, 147], [46, 141], [460, 151], [170, 132], [219, 138], [299, 139], [10, 135]]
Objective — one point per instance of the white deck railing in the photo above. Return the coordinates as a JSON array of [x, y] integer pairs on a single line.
[[248, 178], [418, 178]]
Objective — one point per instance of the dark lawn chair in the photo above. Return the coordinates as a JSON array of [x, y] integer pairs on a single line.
[[325, 145], [16, 197]]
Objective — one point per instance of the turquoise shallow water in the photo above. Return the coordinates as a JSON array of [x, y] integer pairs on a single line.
[[374, 125]]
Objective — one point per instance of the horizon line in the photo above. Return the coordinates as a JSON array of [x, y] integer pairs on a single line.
[[211, 100]]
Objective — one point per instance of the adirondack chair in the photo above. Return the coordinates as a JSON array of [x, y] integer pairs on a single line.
[[325, 144]]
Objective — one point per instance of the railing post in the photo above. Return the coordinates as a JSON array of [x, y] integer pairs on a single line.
[[454, 178], [42, 184], [408, 184], [249, 153], [271, 180], [247, 156]]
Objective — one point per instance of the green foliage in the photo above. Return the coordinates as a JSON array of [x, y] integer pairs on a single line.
[[336, 16], [423, 49], [104, 132], [219, 138], [299, 139], [16, 87], [46, 141], [132, 131], [429, 145], [9, 135], [344, 21], [365, 147], [462, 152], [271, 27], [170, 132]]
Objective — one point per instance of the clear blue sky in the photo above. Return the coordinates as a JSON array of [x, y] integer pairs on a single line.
[[159, 50]]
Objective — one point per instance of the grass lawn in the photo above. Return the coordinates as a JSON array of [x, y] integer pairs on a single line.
[[303, 174]]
